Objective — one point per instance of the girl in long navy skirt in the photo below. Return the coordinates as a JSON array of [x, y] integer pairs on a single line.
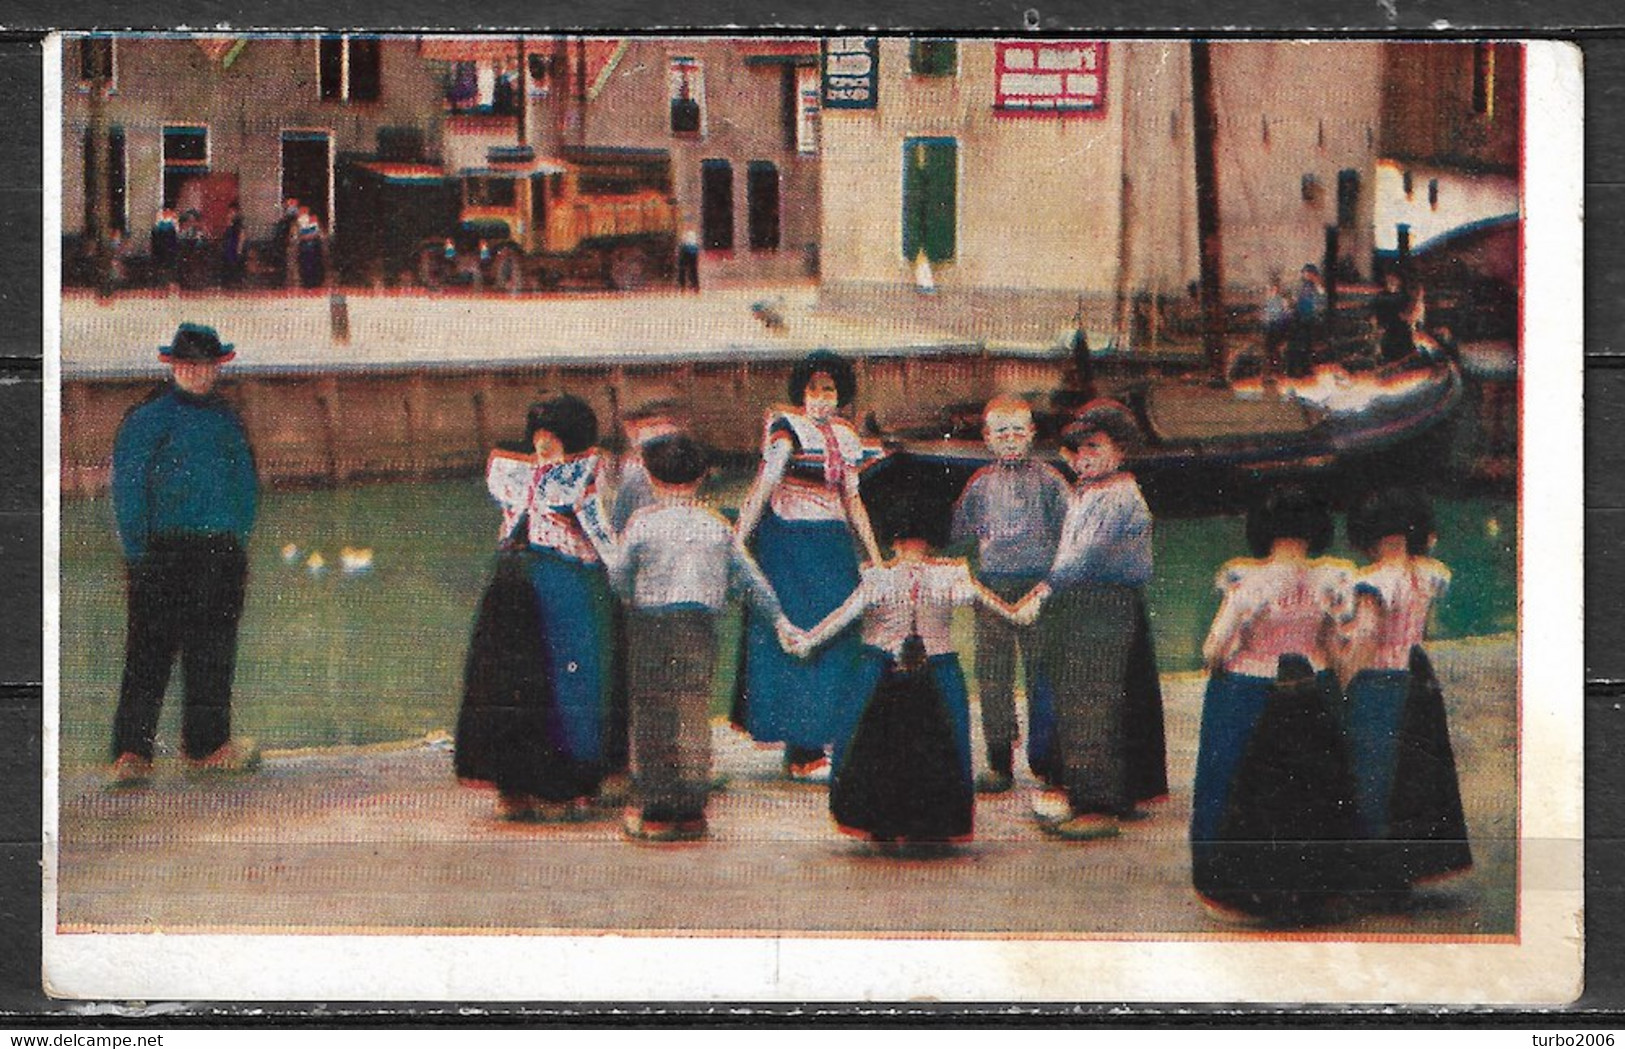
[[902, 763], [806, 524], [1404, 768], [536, 683], [1273, 812]]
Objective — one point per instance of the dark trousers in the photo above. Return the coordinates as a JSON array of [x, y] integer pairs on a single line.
[[688, 268], [671, 657], [997, 641], [185, 597]]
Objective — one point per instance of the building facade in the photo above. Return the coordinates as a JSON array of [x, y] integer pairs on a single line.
[[264, 118], [1063, 201], [271, 114]]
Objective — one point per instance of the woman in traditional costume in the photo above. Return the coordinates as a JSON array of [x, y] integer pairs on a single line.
[[1103, 743], [1406, 787], [1273, 809], [805, 523], [538, 672], [902, 763]]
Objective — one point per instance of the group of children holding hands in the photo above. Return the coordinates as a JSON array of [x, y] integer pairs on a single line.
[[1322, 733]]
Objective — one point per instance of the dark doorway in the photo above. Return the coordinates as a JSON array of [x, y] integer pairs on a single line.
[[762, 202], [305, 171], [717, 204]]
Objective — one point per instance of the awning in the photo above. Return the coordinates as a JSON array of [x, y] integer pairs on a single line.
[[478, 48], [775, 51]]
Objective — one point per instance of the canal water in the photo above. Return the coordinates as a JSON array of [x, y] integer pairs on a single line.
[[332, 656]]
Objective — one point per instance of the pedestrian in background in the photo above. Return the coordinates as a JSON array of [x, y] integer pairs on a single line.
[[688, 261]]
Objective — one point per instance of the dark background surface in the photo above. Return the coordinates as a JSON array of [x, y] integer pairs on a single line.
[[1599, 30]]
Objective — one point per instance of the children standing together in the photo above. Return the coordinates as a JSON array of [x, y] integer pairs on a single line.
[[1324, 772]]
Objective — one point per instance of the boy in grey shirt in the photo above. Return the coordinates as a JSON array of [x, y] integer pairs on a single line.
[[1011, 511], [676, 568]]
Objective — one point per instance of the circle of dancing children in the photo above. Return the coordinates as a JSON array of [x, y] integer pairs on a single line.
[[1325, 781], [800, 520], [1311, 802]]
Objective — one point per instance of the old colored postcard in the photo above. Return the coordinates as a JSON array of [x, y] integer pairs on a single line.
[[848, 518]]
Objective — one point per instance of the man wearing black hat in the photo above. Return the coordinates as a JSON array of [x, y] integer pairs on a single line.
[[185, 492]]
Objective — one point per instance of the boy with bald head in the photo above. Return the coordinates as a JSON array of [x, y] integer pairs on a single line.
[[1011, 512]]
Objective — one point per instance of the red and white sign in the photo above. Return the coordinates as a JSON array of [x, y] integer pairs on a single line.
[[1050, 77]]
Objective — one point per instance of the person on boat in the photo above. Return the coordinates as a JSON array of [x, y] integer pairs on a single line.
[[1406, 787], [1308, 321], [537, 680], [678, 564], [1273, 810], [1389, 309], [1276, 317], [805, 522], [902, 766], [1096, 648], [1010, 513]]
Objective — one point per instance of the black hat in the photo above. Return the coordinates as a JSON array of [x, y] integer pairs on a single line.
[[567, 417], [1102, 415], [196, 342], [833, 365]]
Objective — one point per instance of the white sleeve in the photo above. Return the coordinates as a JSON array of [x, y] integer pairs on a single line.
[[509, 480]]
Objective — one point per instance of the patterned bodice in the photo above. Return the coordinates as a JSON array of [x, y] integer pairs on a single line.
[[1276, 608], [560, 499], [1406, 591]]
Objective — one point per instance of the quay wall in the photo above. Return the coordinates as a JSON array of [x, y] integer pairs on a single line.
[[327, 426]]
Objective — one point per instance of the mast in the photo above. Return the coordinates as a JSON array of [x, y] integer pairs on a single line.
[[1205, 131], [522, 88]]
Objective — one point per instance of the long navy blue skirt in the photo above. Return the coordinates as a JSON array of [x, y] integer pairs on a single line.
[[536, 678], [1406, 786], [782, 699], [906, 773], [1273, 819]]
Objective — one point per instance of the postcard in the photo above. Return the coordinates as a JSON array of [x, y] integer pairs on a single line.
[[758, 518]]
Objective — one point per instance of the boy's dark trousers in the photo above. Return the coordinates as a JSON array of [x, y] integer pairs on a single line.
[[672, 655], [997, 640], [185, 597]]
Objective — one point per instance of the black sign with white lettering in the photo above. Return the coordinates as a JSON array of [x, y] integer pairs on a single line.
[[851, 66]]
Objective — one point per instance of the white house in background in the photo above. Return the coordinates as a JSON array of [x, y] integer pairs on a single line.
[[1421, 203]]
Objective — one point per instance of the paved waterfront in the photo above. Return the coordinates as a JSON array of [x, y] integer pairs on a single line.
[[386, 840], [274, 331]]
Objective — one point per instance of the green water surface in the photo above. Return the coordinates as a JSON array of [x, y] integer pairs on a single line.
[[328, 657]]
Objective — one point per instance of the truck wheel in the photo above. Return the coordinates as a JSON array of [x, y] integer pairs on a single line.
[[508, 271], [429, 268], [628, 269]]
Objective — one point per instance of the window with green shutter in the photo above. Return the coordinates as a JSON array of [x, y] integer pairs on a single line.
[[933, 57], [930, 191]]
